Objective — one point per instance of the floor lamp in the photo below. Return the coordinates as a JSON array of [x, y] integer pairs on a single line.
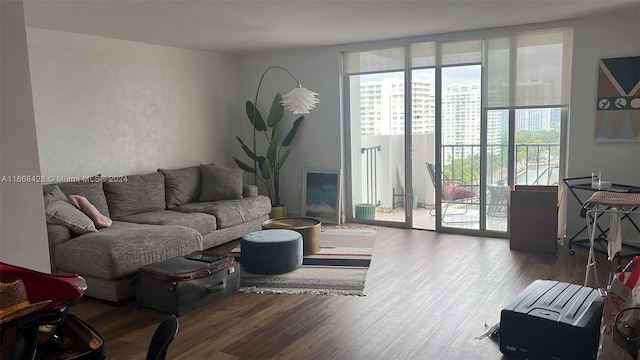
[[299, 101]]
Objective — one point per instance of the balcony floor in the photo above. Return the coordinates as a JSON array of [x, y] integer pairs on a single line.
[[422, 219]]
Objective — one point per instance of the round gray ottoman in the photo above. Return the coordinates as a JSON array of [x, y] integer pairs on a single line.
[[269, 252]]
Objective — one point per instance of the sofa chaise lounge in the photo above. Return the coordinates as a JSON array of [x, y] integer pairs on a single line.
[[153, 217]]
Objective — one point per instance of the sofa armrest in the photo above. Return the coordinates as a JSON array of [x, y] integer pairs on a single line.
[[56, 234], [249, 190]]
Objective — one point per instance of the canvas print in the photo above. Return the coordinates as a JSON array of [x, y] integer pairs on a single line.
[[321, 197], [618, 106]]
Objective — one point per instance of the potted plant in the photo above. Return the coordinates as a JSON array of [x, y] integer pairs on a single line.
[[266, 166]]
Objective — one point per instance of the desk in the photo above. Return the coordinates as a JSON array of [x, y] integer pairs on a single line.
[[615, 204], [584, 183]]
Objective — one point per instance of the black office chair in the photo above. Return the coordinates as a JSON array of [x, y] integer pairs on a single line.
[[163, 336], [452, 193]]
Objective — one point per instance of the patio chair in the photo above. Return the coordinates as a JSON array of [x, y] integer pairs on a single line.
[[452, 193]]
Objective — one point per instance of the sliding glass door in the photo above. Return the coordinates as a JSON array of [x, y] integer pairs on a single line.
[[376, 97], [480, 116]]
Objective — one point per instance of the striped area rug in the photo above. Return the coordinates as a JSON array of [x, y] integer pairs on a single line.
[[340, 268]]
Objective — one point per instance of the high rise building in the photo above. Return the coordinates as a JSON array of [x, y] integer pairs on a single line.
[[382, 111], [382, 107]]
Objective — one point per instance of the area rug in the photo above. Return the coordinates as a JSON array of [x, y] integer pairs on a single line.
[[340, 268]]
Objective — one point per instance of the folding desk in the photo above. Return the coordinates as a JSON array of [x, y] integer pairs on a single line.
[[615, 204], [581, 189]]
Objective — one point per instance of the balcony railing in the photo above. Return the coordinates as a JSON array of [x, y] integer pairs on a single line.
[[370, 160], [536, 164], [380, 167]]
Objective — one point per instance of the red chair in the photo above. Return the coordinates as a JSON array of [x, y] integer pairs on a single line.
[[20, 336], [452, 193], [60, 289]]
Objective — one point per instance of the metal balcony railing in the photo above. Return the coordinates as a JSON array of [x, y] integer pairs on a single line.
[[536, 164], [371, 172]]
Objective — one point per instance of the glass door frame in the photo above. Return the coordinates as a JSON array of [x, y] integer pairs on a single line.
[[511, 108], [408, 184]]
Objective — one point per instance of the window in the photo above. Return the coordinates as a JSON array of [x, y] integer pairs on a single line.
[[488, 109]]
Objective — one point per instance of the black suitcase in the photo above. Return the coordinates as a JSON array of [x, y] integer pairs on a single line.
[[182, 284], [552, 320]]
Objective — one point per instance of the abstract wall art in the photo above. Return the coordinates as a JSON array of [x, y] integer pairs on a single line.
[[618, 104]]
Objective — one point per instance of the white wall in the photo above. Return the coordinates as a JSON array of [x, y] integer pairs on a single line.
[[23, 238], [608, 36], [318, 143], [614, 35], [119, 107]]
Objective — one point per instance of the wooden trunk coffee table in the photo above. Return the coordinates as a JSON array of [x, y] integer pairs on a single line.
[[308, 227]]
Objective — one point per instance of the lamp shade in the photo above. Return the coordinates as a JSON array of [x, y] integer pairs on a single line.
[[300, 100]]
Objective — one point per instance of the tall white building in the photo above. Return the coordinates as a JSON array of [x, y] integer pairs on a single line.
[[382, 110], [461, 114], [382, 107], [534, 93]]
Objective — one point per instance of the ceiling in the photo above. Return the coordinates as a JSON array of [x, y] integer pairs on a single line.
[[245, 27]]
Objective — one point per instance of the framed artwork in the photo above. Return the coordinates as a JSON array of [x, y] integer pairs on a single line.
[[618, 103], [321, 195]]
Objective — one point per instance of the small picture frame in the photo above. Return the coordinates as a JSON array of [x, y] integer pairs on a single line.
[[321, 195]]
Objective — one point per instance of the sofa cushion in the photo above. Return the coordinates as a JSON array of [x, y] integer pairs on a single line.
[[119, 251], [249, 190], [231, 212], [61, 212], [202, 223], [220, 183], [91, 189], [181, 186], [139, 193], [52, 191]]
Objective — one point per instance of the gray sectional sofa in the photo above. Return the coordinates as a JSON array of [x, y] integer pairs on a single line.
[[156, 216]]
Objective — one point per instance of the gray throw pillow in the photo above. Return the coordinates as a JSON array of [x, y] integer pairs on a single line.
[[181, 186], [135, 194], [52, 191], [63, 213], [220, 183]]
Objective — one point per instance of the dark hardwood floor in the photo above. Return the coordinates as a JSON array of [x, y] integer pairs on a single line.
[[427, 296]]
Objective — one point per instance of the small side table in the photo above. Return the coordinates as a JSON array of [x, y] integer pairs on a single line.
[[267, 252], [308, 227]]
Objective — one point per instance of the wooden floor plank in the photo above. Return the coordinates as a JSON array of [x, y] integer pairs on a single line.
[[427, 296]]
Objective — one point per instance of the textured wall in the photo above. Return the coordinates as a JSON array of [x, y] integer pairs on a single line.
[[120, 107]]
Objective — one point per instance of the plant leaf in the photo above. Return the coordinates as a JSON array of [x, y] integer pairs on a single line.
[[247, 150], [276, 112], [244, 166], [258, 124], [292, 133], [272, 151], [266, 169], [282, 159]]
